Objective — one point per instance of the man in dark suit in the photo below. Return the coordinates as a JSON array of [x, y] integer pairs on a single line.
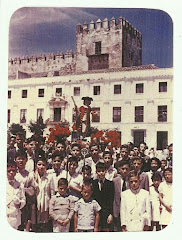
[[103, 193], [120, 185], [19, 141]]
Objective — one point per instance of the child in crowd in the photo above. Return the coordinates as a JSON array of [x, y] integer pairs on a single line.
[[165, 197], [19, 144], [30, 146], [124, 152], [103, 193], [61, 148], [56, 172], [61, 207], [135, 206], [154, 200], [163, 167], [94, 158], [43, 193], [86, 217], [137, 164], [154, 164], [120, 185], [15, 197], [75, 179], [76, 152], [86, 172], [142, 153], [111, 171], [27, 181]]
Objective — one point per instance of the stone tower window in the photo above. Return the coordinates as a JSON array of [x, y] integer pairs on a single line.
[[98, 48]]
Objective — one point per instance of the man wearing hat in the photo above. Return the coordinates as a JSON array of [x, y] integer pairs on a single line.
[[83, 119]]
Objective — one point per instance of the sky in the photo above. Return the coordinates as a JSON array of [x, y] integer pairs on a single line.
[[34, 31]]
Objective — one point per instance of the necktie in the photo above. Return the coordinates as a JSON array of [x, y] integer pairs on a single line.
[[124, 185], [101, 185]]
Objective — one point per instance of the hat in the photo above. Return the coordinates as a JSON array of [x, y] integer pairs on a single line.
[[87, 98]]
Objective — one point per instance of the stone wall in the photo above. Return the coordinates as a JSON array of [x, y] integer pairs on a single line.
[[50, 64]]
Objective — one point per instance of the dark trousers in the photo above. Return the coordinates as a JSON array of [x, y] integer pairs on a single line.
[[117, 224]]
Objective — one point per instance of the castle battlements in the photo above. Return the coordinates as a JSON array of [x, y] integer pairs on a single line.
[[42, 58], [107, 25]]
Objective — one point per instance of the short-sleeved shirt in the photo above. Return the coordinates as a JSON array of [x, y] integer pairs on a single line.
[[86, 213]]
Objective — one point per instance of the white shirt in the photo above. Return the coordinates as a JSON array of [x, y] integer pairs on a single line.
[[135, 209], [86, 213], [54, 179], [29, 164], [111, 173], [155, 204]]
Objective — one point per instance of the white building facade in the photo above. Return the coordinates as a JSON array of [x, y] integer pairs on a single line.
[[138, 101]]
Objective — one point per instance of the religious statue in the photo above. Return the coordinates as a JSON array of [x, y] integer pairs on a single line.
[[82, 124]]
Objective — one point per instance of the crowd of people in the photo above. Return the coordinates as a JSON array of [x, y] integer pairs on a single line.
[[73, 187]]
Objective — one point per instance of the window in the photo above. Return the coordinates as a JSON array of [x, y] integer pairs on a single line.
[[59, 91], [139, 114], [40, 113], [98, 48], [76, 91], [9, 112], [138, 138], [9, 94], [162, 140], [57, 114], [163, 87], [116, 114], [96, 90], [24, 93], [23, 113], [117, 89], [41, 93], [96, 114], [162, 113], [139, 88]]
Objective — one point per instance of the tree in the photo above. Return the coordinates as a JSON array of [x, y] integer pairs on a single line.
[[16, 127], [37, 128]]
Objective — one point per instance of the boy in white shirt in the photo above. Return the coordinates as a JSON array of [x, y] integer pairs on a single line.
[[15, 197], [135, 206], [56, 172], [86, 218]]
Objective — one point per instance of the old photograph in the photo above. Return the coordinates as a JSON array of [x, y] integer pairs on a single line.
[[90, 120]]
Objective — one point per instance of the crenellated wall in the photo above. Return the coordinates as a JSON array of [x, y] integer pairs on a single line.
[[120, 46], [44, 65]]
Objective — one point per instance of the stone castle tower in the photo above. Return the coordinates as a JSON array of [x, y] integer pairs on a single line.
[[103, 45], [100, 45]]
